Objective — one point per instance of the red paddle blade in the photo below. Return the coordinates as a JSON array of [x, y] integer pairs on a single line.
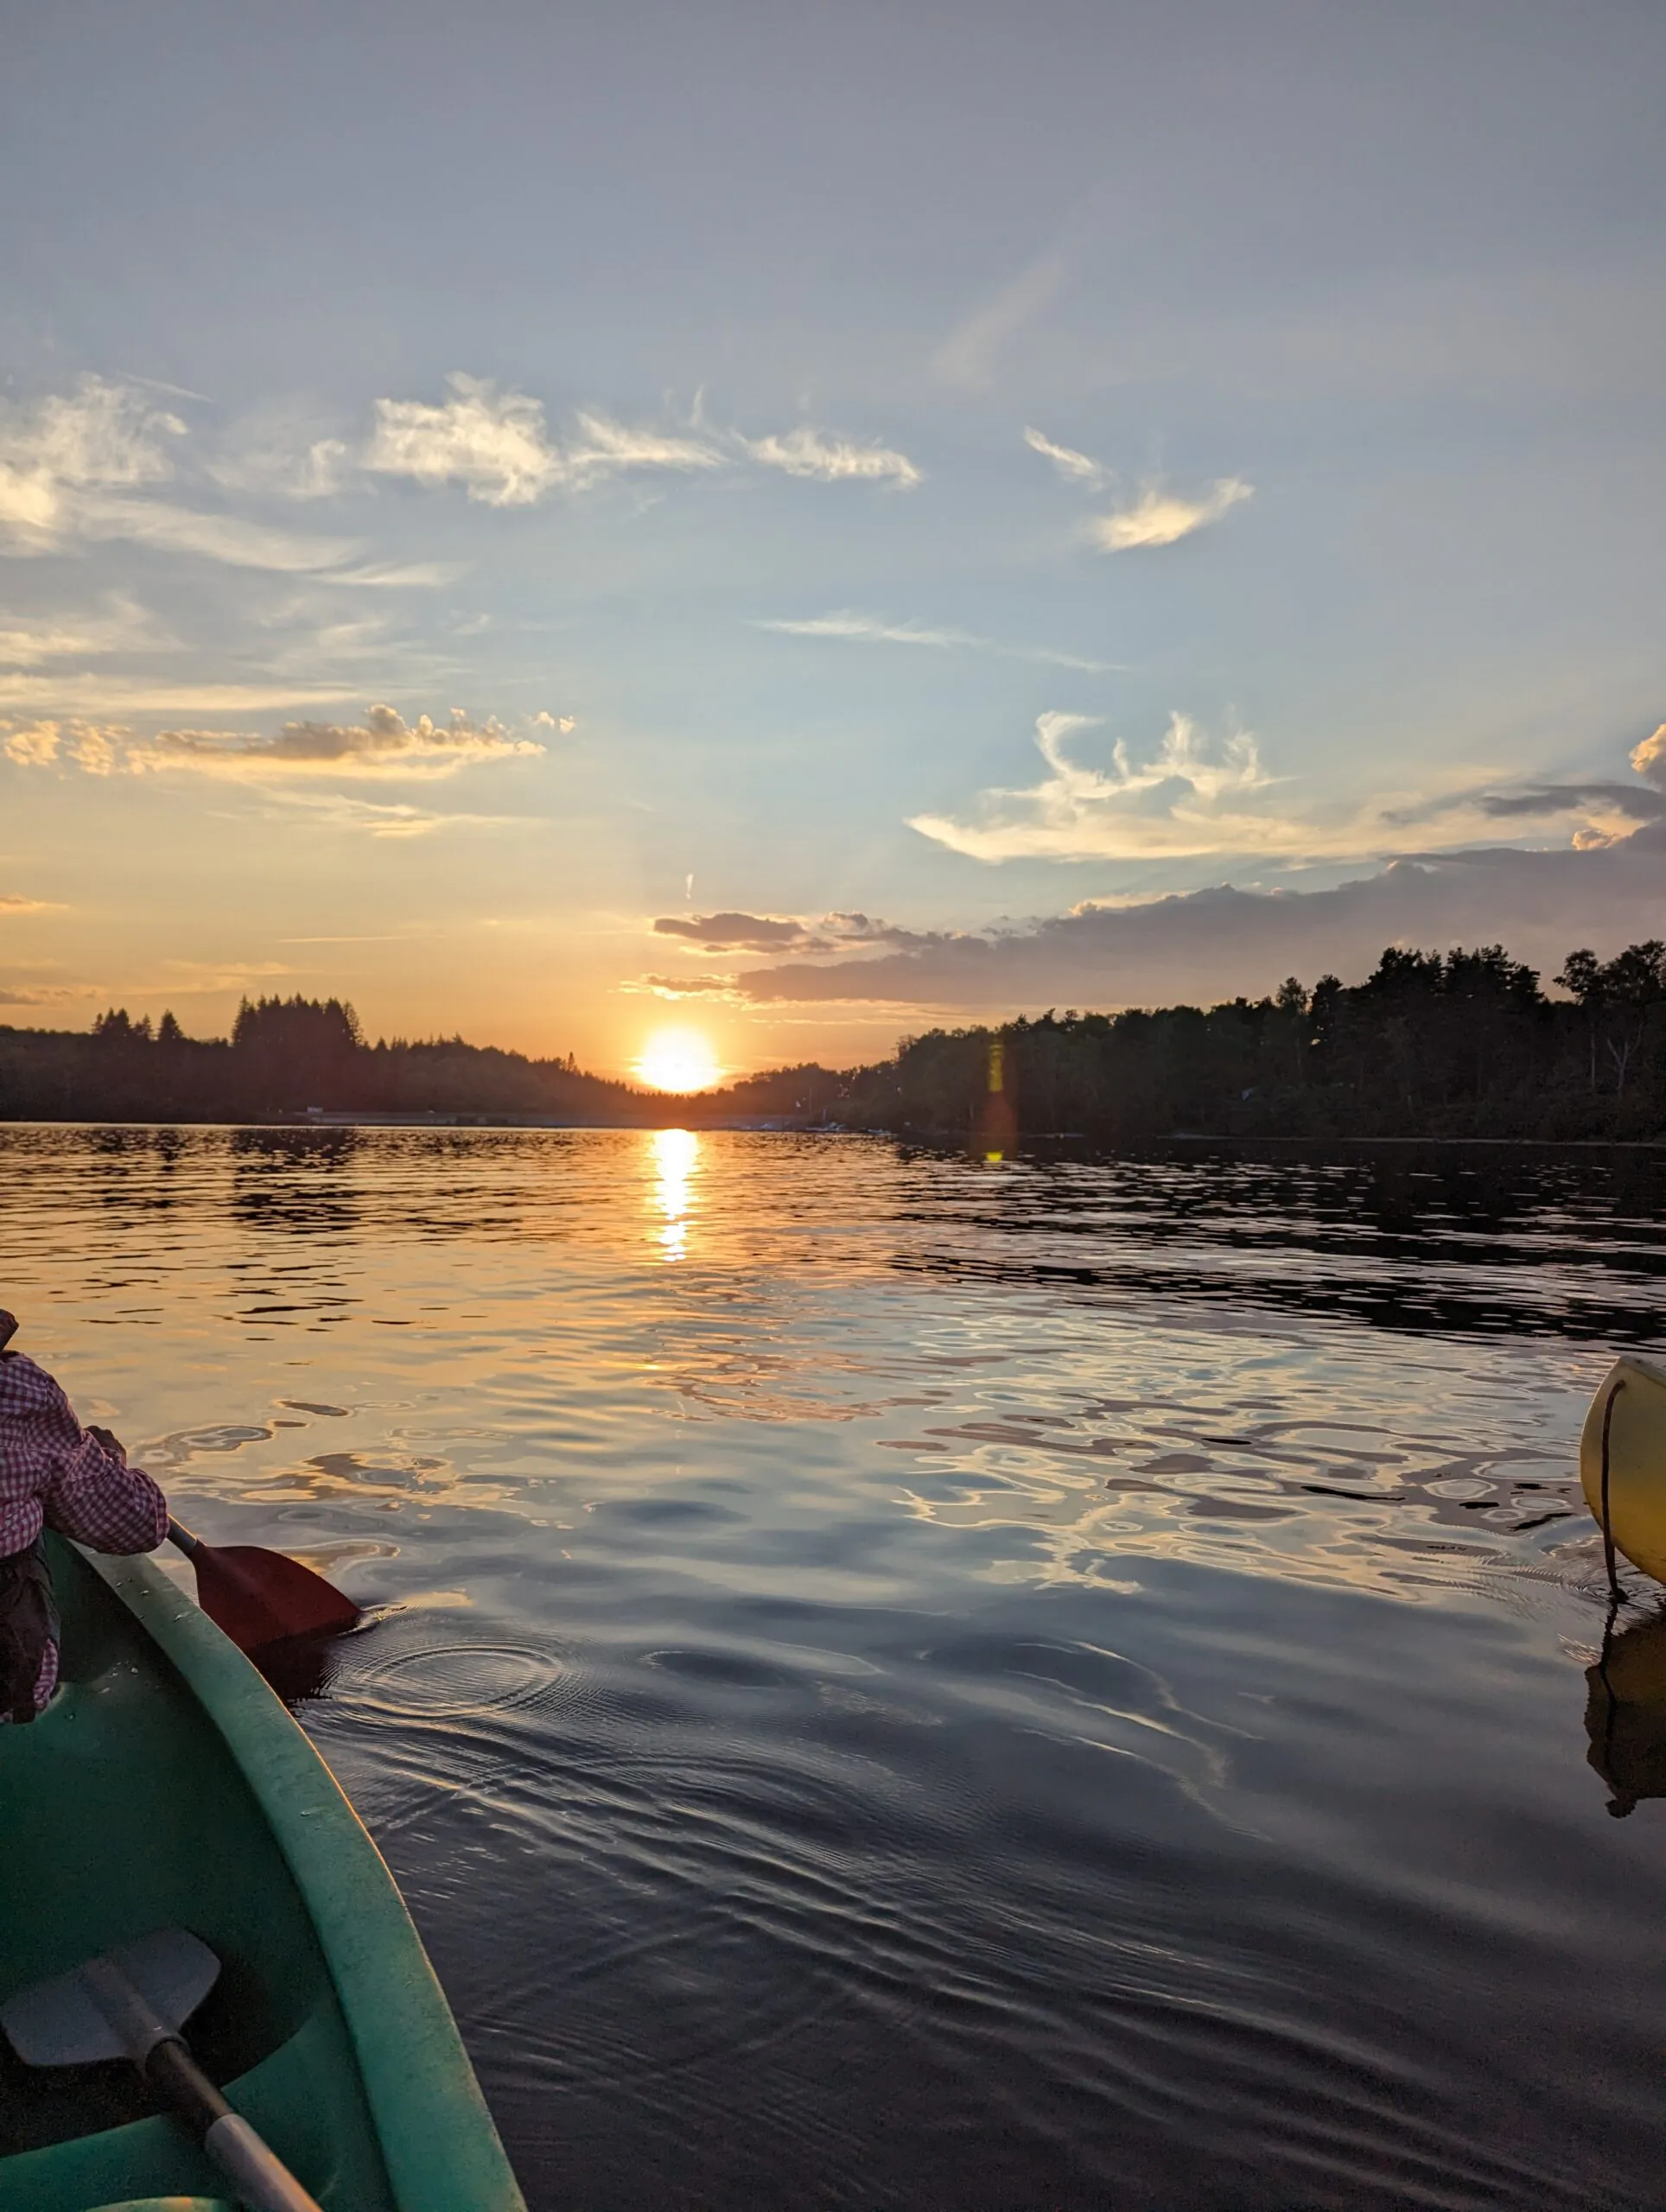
[[257, 1597]]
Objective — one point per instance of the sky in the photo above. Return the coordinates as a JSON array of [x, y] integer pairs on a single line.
[[798, 525]]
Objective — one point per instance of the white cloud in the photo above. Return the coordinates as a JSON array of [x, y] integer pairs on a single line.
[[850, 627], [605, 448], [1187, 800], [1195, 799], [383, 744], [1075, 467], [495, 446], [78, 466], [808, 452], [100, 436], [1161, 518], [13, 902], [498, 446]]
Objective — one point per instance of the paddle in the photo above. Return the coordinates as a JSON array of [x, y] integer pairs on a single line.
[[132, 2004], [259, 1597]]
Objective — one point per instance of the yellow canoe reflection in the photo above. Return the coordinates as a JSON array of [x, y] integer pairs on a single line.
[[1626, 1713]]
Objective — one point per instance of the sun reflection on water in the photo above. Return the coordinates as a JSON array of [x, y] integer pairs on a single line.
[[676, 1154]]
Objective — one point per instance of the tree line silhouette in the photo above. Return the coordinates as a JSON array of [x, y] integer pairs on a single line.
[[1460, 1044], [1455, 1043]]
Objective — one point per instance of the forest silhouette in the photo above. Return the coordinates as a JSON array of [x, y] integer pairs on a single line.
[[1431, 1045]]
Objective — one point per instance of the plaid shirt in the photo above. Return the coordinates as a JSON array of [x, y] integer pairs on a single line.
[[54, 1474]]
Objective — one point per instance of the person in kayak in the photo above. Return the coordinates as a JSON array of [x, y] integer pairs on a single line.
[[55, 1474]]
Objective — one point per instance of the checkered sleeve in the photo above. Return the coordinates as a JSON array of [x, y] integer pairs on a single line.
[[55, 1473]]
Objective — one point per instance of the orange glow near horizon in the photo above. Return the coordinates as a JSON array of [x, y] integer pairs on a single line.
[[677, 1060]]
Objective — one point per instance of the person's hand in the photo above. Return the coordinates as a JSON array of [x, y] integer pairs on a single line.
[[111, 1443]]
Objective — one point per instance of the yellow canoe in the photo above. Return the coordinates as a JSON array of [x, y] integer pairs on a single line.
[[1622, 1461]]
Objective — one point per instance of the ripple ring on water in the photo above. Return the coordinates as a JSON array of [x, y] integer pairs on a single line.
[[449, 1681]]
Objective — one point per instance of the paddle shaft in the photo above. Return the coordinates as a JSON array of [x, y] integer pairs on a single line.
[[157, 2049], [183, 1539]]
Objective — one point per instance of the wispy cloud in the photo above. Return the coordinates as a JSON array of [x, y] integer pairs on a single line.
[[1187, 799], [79, 466], [495, 445], [125, 626], [1163, 517], [969, 354], [809, 452], [100, 435], [13, 902], [1075, 467], [281, 452], [382, 819], [383, 744], [1155, 517], [498, 446], [1195, 798], [847, 626], [400, 576], [230, 538]]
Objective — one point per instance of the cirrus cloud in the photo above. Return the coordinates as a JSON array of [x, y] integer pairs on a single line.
[[99, 436], [1163, 517], [499, 448], [78, 467], [1194, 798], [809, 452], [1156, 517]]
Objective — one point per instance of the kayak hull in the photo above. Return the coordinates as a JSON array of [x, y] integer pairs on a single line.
[[166, 1785], [1630, 1410]]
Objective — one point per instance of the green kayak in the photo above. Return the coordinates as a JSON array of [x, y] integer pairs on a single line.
[[166, 1785]]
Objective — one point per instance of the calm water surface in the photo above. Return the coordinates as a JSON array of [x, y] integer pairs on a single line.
[[897, 1681]]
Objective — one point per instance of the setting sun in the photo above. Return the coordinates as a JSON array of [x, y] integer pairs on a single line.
[[677, 1060]]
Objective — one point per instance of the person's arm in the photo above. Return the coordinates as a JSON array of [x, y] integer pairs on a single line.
[[94, 1495]]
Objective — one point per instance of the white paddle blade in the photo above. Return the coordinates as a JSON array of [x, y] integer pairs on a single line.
[[60, 2023]]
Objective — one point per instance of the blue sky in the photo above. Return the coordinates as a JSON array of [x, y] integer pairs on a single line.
[[913, 501]]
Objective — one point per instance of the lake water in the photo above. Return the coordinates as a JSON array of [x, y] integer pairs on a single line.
[[897, 1680]]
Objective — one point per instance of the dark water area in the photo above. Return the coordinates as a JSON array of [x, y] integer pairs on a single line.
[[895, 1679]]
